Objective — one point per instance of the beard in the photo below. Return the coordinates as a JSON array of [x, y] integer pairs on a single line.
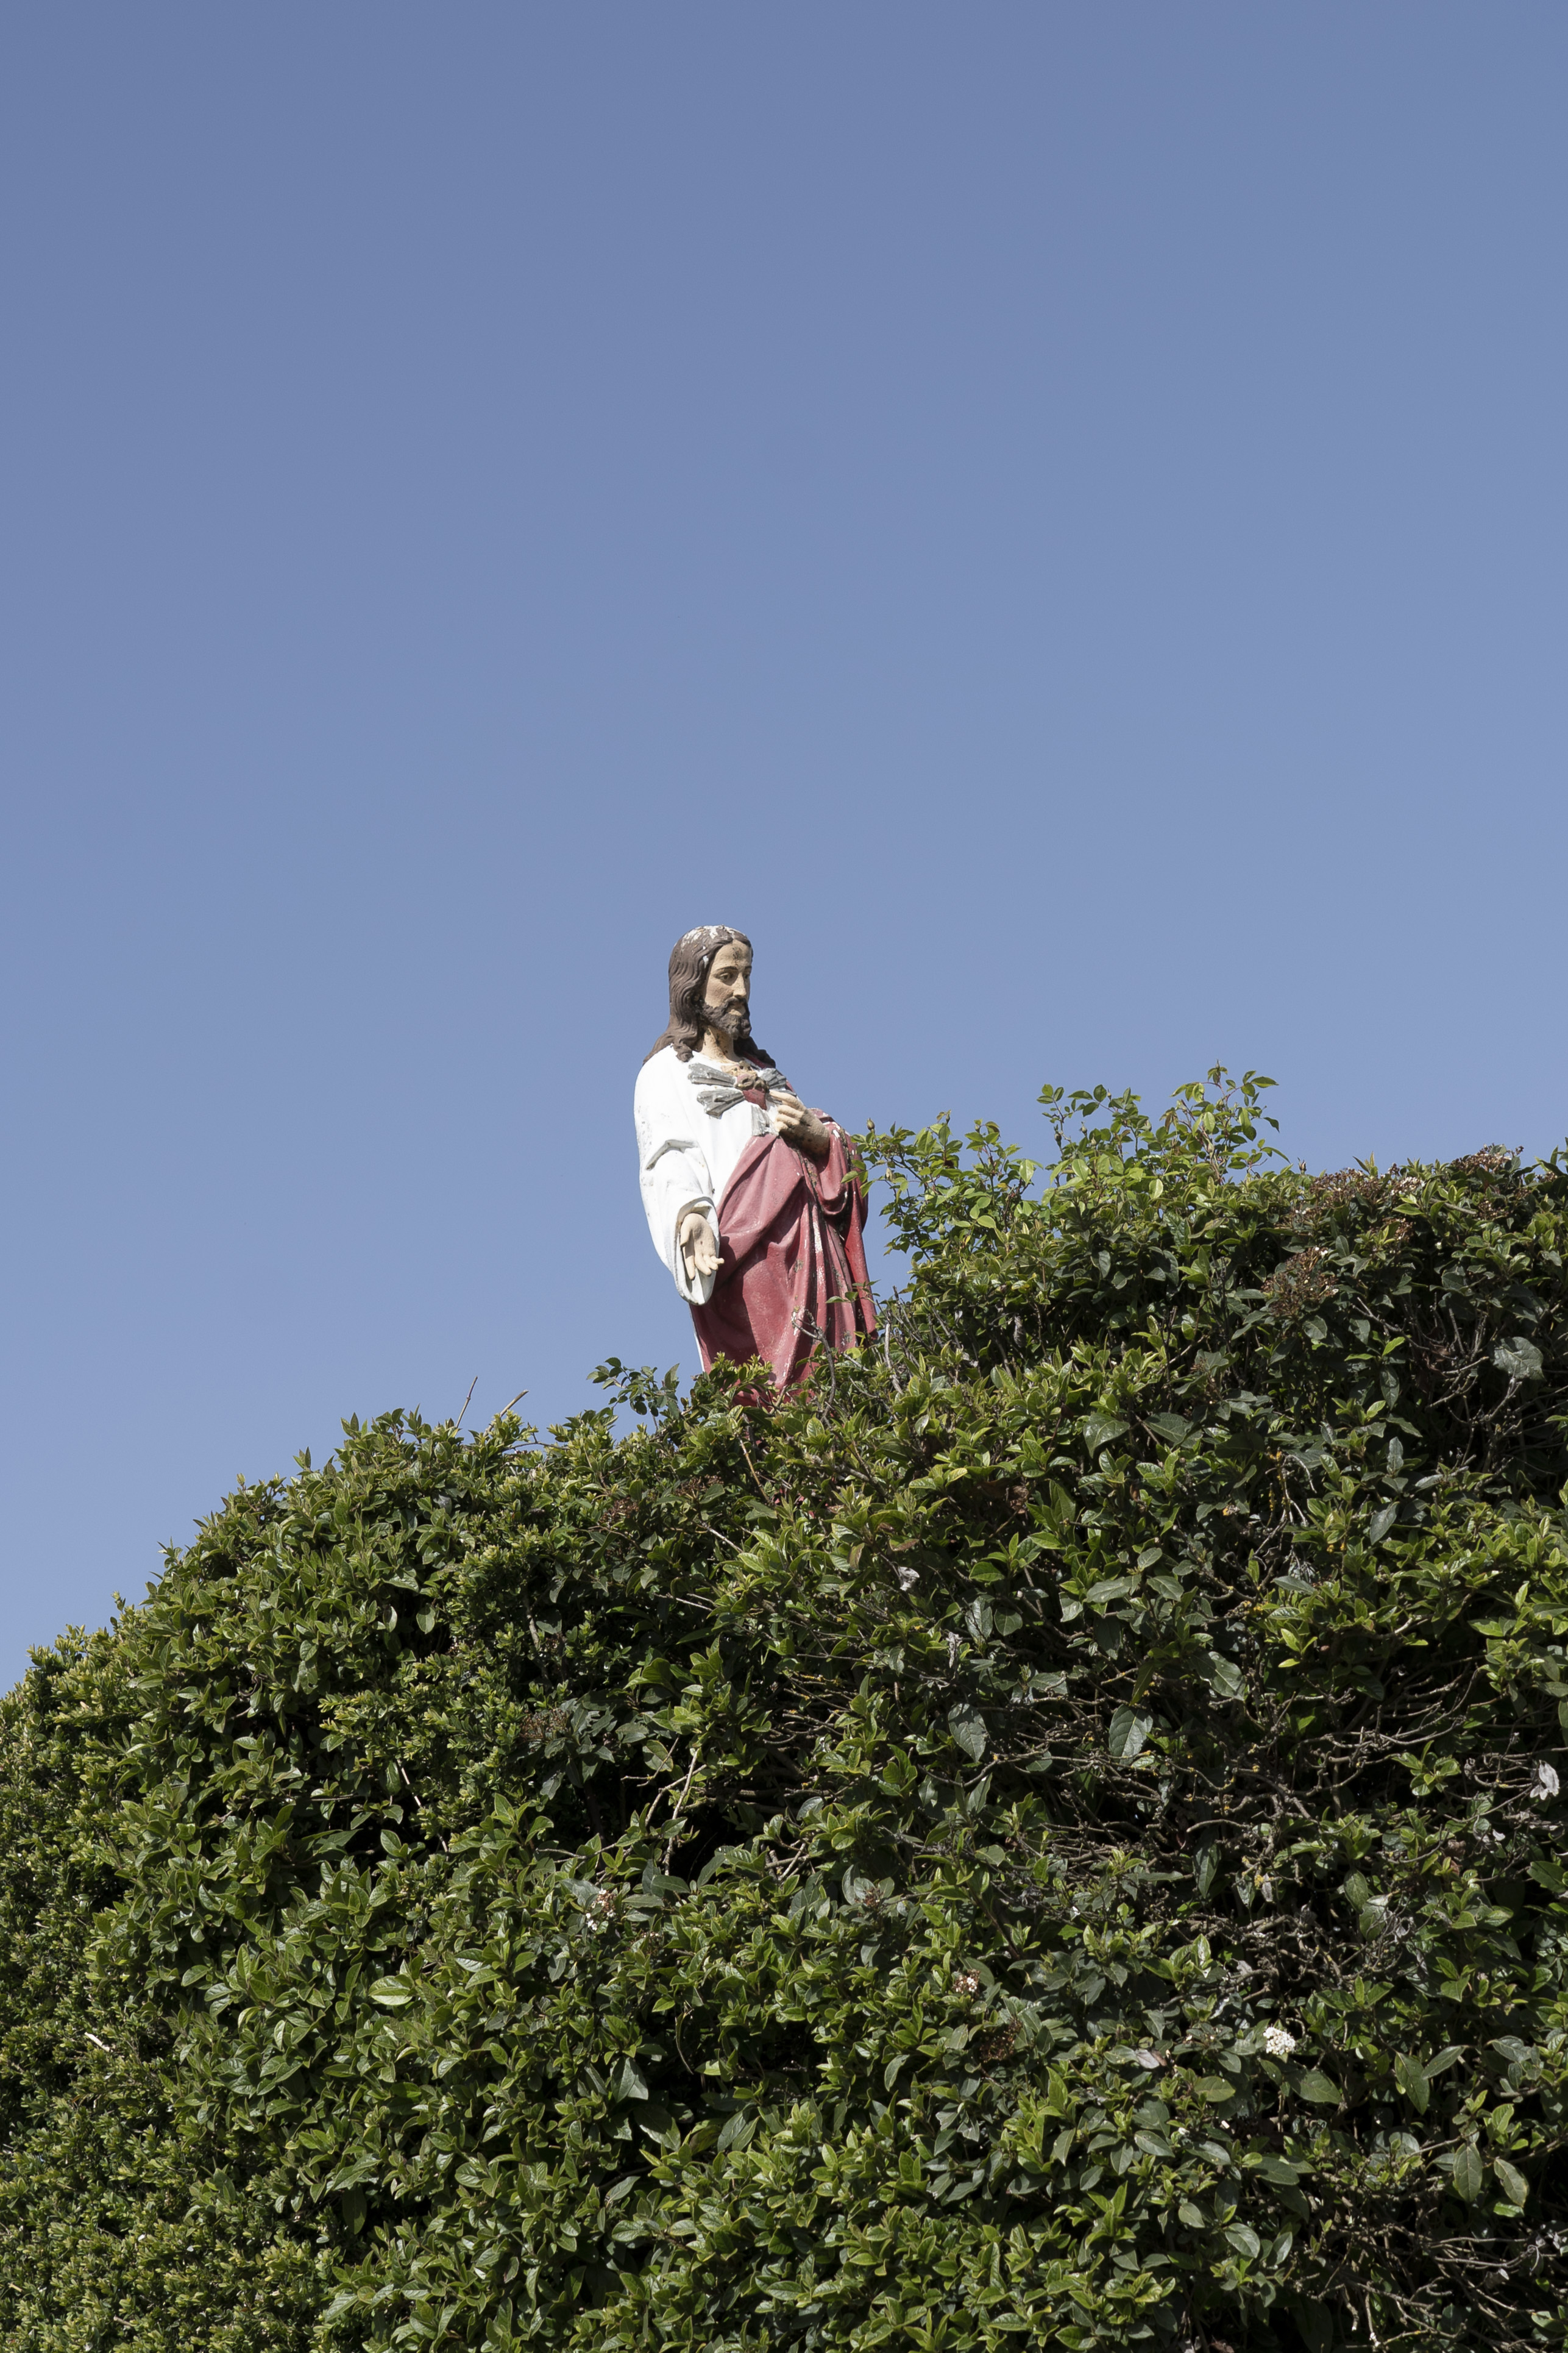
[[732, 1021]]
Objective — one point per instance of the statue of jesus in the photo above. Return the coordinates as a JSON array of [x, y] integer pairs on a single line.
[[752, 1200]]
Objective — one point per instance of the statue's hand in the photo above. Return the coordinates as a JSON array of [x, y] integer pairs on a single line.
[[698, 1250], [801, 1126]]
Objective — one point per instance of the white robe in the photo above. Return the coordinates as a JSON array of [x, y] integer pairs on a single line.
[[686, 1157]]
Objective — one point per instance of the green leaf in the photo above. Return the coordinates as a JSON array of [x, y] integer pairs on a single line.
[[1316, 2086], [1316, 2323], [1215, 2088], [1412, 2080], [1129, 1731], [1469, 2174], [631, 2084], [1520, 1358], [1060, 1505], [1243, 2239], [1279, 2170], [967, 1726], [1513, 2185]]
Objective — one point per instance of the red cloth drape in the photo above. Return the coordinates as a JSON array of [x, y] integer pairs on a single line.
[[792, 1269]]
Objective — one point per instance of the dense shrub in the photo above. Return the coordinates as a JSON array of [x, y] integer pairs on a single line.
[[1054, 1838]]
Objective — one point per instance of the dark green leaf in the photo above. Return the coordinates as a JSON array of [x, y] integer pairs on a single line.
[[1520, 1358], [967, 1726], [1129, 1731], [1412, 2080]]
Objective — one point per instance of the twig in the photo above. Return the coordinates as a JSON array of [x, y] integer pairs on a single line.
[[675, 1817], [751, 1467]]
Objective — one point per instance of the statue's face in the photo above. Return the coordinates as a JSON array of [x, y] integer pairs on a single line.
[[729, 976]]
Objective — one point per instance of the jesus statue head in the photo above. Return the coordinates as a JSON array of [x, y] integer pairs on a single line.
[[710, 997]]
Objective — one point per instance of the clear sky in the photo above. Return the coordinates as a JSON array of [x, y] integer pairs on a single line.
[[1052, 518]]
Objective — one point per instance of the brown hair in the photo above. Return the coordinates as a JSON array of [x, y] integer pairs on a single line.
[[690, 959]]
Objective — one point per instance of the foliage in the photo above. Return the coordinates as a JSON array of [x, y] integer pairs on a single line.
[[1054, 1837]]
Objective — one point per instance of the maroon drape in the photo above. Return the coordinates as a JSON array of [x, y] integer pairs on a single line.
[[792, 1269]]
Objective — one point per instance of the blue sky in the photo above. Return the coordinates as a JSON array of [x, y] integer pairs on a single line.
[[1052, 518]]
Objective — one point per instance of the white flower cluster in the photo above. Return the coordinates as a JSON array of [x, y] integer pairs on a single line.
[[602, 1911], [1278, 2043]]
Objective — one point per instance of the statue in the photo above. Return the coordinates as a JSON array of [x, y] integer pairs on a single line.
[[752, 1200]]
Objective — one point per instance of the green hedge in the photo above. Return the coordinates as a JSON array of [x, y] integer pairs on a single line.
[[1054, 1840]]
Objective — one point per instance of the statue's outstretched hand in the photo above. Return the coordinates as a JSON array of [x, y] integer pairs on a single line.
[[800, 1126], [697, 1248]]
